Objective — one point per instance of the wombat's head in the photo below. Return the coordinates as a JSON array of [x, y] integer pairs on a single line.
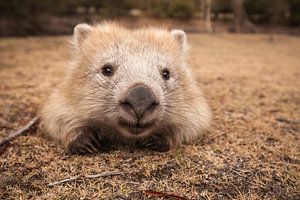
[[131, 80]]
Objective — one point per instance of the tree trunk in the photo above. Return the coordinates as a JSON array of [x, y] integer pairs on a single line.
[[206, 6], [238, 9], [241, 21]]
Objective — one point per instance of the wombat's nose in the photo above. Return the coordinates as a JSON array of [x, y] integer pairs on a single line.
[[139, 99]]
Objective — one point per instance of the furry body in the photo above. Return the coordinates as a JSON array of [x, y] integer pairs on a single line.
[[84, 113]]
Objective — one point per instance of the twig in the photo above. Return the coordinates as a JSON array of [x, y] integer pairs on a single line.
[[104, 174], [63, 181], [19, 132], [284, 120]]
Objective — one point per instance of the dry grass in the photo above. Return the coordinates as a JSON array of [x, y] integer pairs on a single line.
[[251, 152]]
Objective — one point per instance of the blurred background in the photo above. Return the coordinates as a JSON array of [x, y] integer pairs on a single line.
[[58, 17]]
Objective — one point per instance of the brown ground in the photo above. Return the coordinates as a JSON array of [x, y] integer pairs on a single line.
[[252, 151]]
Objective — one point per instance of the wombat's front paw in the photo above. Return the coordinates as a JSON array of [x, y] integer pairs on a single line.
[[157, 144], [84, 144]]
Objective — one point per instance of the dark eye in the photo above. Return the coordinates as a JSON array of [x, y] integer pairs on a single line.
[[166, 74], [107, 70]]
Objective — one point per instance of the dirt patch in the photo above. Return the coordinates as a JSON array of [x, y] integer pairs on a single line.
[[251, 152]]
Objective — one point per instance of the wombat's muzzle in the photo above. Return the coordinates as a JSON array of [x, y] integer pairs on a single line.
[[139, 101]]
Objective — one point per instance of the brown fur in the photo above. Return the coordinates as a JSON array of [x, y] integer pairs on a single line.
[[83, 112]]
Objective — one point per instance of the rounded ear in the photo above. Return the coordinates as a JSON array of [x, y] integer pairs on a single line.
[[80, 33], [180, 37]]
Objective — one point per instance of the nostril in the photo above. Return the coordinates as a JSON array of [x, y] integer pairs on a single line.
[[153, 106], [126, 105]]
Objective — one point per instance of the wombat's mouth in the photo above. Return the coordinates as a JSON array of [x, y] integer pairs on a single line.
[[136, 128]]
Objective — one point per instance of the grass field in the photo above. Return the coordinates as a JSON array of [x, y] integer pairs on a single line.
[[252, 151]]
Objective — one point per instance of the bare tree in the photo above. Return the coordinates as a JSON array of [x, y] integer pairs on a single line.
[[238, 9], [241, 20], [205, 6]]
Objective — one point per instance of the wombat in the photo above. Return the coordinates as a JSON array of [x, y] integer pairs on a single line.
[[128, 87]]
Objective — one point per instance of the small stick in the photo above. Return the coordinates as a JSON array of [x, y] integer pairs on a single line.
[[104, 174], [19, 132], [63, 181]]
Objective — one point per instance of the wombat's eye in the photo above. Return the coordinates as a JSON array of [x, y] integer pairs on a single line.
[[166, 74], [107, 70]]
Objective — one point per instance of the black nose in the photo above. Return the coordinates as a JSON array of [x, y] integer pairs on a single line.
[[139, 99]]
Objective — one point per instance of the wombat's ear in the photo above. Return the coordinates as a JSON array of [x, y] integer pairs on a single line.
[[80, 33], [181, 38]]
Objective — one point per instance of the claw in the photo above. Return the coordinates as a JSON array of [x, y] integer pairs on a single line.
[[85, 143], [95, 141], [90, 147], [157, 144]]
